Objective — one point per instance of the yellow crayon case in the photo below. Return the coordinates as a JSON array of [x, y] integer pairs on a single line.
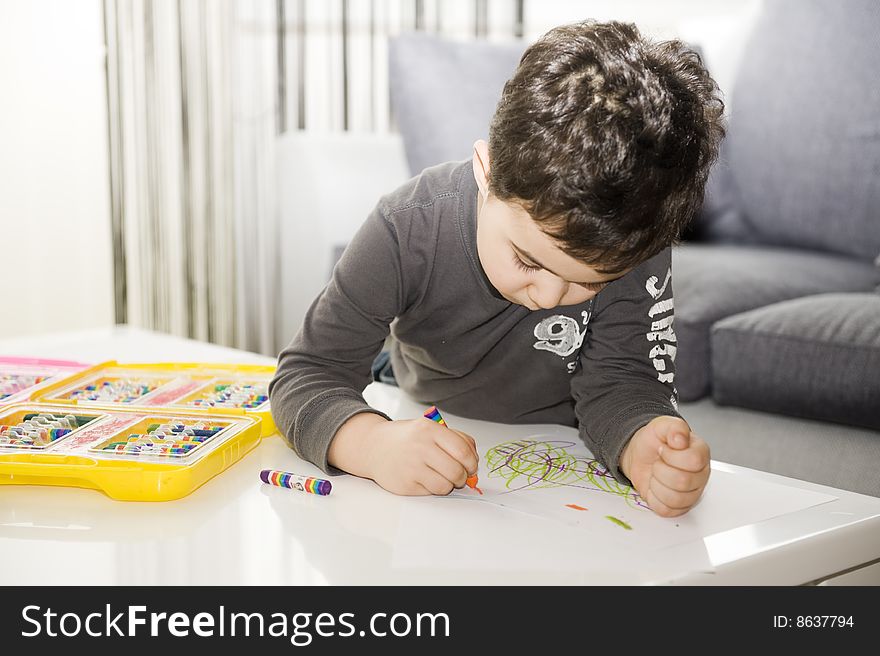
[[22, 377], [130, 454], [238, 390]]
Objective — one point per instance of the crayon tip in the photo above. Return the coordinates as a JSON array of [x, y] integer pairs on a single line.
[[471, 482]]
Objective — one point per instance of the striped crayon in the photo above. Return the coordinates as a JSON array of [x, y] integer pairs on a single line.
[[433, 414], [296, 482]]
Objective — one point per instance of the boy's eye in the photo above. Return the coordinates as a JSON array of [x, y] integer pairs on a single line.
[[522, 265], [594, 286], [530, 268]]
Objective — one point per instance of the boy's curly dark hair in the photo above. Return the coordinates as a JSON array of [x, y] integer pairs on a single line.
[[606, 139]]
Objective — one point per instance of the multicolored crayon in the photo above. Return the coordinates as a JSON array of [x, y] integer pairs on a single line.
[[433, 414], [296, 482]]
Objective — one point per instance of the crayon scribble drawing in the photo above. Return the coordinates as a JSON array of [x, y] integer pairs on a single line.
[[529, 464]]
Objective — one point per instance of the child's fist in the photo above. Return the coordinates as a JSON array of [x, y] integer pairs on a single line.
[[667, 464], [411, 457]]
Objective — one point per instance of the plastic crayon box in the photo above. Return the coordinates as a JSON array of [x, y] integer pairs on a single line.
[[215, 389], [21, 378], [132, 454]]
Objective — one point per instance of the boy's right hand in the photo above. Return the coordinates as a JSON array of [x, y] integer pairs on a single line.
[[410, 457]]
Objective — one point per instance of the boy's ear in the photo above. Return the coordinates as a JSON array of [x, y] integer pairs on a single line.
[[481, 167]]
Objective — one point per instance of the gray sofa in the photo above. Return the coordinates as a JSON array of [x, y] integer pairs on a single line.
[[777, 284]]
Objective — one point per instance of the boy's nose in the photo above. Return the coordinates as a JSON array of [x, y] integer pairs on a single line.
[[549, 293]]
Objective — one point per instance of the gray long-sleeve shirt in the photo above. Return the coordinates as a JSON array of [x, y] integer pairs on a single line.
[[606, 365]]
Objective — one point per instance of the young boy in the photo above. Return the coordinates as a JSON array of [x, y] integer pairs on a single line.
[[529, 285]]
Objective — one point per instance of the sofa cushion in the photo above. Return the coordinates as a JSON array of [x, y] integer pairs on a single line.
[[801, 161], [444, 93], [816, 357], [715, 281]]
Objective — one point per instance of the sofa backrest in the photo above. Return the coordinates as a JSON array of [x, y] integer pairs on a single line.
[[801, 162], [444, 93]]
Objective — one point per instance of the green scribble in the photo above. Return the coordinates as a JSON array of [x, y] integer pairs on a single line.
[[619, 522], [533, 464]]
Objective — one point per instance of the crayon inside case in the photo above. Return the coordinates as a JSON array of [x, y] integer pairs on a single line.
[[215, 389], [131, 454], [21, 378]]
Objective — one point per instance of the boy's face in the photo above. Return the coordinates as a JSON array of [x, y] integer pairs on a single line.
[[525, 265]]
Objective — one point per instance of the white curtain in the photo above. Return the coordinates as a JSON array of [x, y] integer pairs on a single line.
[[333, 62], [198, 92], [192, 96]]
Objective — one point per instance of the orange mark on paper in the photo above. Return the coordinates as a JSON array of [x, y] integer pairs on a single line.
[[575, 506]]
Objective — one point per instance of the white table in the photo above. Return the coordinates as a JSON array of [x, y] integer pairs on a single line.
[[235, 530]]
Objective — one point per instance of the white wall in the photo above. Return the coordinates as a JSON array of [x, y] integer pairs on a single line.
[[328, 183], [54, 188]]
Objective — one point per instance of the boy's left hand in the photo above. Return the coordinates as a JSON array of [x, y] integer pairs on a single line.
[[667, 464]]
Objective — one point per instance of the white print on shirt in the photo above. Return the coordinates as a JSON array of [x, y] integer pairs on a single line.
[[651, 285], [561, 335], [661, 314]]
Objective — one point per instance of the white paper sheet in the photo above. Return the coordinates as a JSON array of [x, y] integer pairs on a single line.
[[585, 512]]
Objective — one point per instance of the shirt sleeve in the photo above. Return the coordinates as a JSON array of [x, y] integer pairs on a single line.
[[321, 375], [627, 371]]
